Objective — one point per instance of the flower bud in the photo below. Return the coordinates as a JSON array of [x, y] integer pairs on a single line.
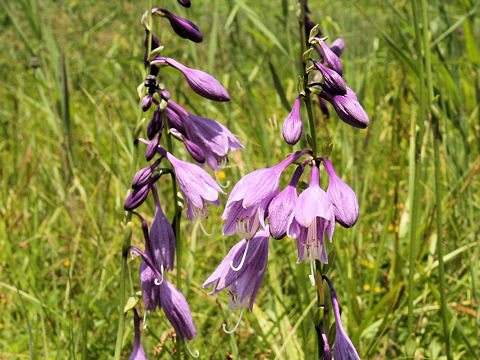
[[136, 197], [343, 198], [194, 150], [142, 177], [330, 58], [333, 82], [349, 109], [292, 125], [147, 102], [338, 46], [155, 126], [182, 27], [152, 148]]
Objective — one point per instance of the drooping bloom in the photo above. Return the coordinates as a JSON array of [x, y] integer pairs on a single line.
[[137, 353], [196, 184], [212, 137], [338, 46], [344, 200], [202, 83], [330, 58], [282, 205], [343, 348], [177, 311], [244, 283], [245, 209], [292, 125], [311, 220], [348, 108], [332, 82], [162, 237], [182, 27]]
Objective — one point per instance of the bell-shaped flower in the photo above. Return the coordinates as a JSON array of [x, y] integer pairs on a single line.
[[344, 200], [244, 282], [196, 184], [282, 205], [177, 311], [246, 206], [343, 348], [182, 27], [292, 125], [332, 82], [202, 83], [338, 46], [329, 57], [162, 237], [212, 137], [311, 220], [137, 353], [348, 108]]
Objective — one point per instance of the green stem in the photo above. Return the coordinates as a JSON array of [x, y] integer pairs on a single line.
[[415, 167], [438, 186]]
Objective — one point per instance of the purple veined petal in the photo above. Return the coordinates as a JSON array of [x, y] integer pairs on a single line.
[[155, 126], [344, 200], [142, 177], [182, 27], [330, 58], [185, 3], [338, 46], [151, 299], [282, 206], [333, 82], [349, 109], [194, 150], [137, 353], [343, 347], [136, 197], [202, 83], [292, 125], [177, 311], [147, 102], [327, 353], [152, 148]]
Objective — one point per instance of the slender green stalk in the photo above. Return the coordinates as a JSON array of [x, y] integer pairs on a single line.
[[415, 168], [438, 185]]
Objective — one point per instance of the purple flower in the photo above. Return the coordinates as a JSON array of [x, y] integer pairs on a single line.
[[136, 197], [196, 184], [177, 311], [344, 200], [244, 283], [155, 126], [348, 108], [249, 199], [185, 3], [292, 125], [333, 82], [212, 137], [162, 237], [330, 58], [183, 27], [311, 219], [282, 205], [202, 83], [343, 348], [151, 297], [137, 353], [338, 46], [147, 102]]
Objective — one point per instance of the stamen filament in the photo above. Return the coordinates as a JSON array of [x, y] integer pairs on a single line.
[[243, 258], [236, 325], [312, 274]]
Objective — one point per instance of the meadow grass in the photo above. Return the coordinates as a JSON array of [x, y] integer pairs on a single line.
[[68, 110]]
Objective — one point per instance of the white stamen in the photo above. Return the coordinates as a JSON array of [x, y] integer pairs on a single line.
[[312, 274], [236, 325], [205, 231], [145, 320], [243, 227], [220, 184], [195, 354], [243, 258]]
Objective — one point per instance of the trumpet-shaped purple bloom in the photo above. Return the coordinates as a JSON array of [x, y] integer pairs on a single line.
[[250, 197], [244, 283], [344, 200], [202, 83], [338, 46], [332, 82], [343, 348], [183, 27], [292, 125], [197, 185], [137, 353], [330, 58], [349, 109], [282, 205], [177, 311], [212, 137], [311, 220], [162, 237]]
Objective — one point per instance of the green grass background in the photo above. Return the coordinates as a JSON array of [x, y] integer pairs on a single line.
[[68, 107]]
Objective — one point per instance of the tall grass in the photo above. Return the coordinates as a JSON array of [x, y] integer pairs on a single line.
[[407, 273]]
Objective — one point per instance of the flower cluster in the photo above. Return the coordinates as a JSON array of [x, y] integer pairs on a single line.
[[256, 208], [207, 141]]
